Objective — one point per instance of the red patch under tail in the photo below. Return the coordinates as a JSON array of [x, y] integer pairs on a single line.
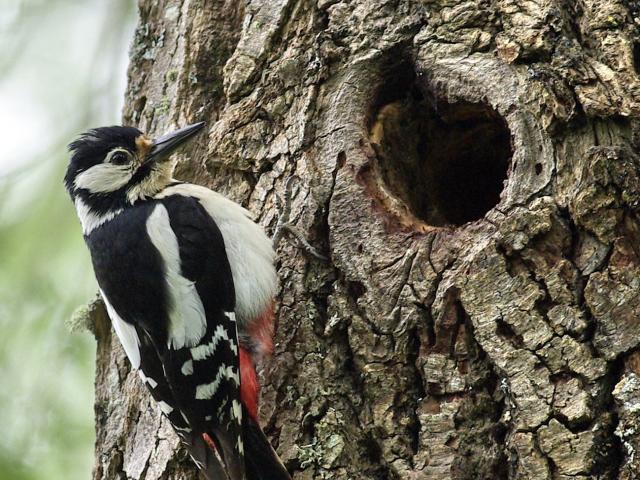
[[261, 331], [209, 441], [249, 386], [261, 334]]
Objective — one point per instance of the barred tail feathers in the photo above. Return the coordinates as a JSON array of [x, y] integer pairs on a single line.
[[261, 460], [205, 456]]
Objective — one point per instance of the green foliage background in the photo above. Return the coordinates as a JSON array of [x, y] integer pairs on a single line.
[[62, 68]]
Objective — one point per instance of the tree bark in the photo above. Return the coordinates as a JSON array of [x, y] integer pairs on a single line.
[[469, 169]]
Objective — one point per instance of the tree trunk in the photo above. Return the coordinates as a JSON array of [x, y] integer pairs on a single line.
[[468, 167]]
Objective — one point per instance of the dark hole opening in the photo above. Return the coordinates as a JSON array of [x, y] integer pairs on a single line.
[[446, 161]]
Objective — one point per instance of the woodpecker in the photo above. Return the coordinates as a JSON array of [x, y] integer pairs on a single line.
[[188, 281]]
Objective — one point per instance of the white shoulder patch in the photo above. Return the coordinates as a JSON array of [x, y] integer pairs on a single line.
[[187, 319], [249, 250], [126, 333]]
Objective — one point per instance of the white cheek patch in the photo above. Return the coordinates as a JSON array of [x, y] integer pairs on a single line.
[[104, 178]]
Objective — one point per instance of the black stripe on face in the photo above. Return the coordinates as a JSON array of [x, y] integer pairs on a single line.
[[92, 147], [102, 203]]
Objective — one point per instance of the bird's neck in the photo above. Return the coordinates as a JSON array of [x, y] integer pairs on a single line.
[[91, 218], [159, 179], [95, 211]]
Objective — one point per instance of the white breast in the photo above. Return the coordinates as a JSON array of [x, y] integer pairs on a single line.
[[249, 250]]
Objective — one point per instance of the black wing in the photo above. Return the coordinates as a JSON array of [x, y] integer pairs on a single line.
[[199, 381], [205, 378]]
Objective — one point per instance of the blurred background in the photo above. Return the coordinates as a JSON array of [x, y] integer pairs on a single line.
[[62, 70]]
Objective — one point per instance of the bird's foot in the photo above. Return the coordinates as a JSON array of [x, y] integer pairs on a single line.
[[284, 224]]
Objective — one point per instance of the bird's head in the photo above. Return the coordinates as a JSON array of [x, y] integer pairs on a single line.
[[114, 167]]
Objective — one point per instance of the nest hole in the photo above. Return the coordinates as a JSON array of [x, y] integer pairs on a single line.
[[446, 161]]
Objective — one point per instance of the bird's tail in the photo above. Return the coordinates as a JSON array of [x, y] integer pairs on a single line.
[[260, 459], [261, 462], [205, 456]]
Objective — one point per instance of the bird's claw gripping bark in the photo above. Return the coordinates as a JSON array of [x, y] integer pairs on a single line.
[[285, 226]]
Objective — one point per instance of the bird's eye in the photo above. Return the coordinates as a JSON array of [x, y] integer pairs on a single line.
[[119, 158]]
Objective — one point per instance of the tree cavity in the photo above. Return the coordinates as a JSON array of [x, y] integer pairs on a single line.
[[447, 161]]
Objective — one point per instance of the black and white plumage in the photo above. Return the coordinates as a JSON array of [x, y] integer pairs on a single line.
[[188, 282]]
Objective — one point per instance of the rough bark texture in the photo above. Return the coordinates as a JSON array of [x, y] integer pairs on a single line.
[[469, 168]]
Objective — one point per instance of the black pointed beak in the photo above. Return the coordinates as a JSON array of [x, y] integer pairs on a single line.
[[167, 144]]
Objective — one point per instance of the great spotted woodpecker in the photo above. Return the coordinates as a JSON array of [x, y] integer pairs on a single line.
[[188, 281]]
